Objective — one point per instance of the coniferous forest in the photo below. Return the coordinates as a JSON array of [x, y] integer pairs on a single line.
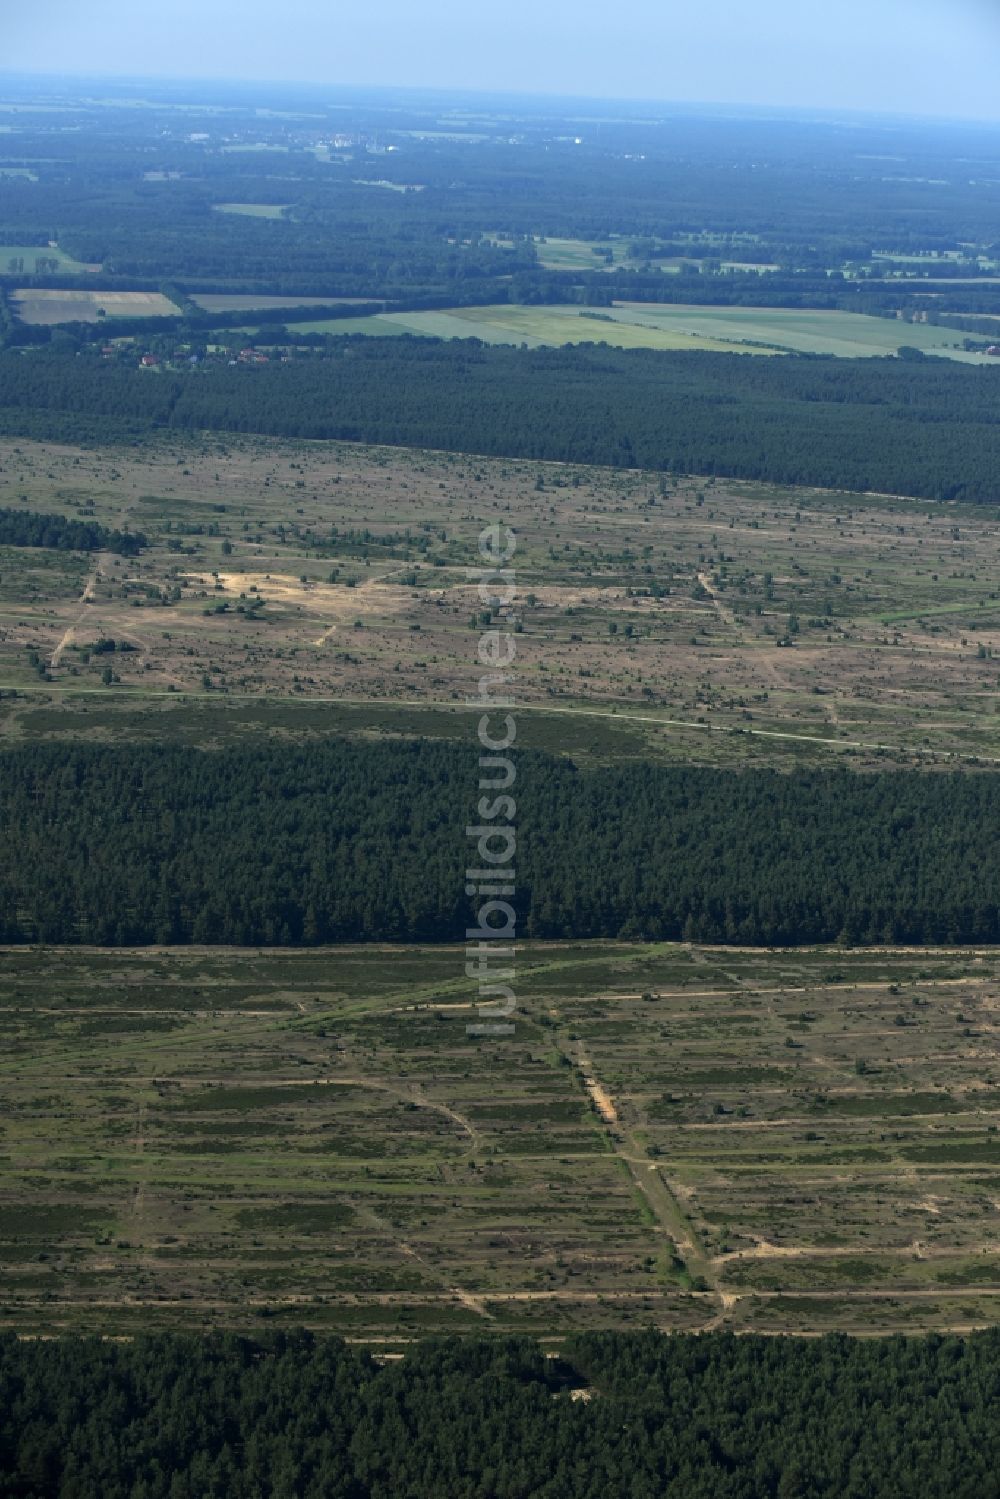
[[26, 528], [297, 1417], [341, 841], [926, 428]]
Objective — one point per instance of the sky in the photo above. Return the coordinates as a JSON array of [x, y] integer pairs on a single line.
[[924, 57]]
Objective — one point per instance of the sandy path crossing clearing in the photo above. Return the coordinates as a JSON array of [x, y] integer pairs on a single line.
[[602, 1098], [85, 598]]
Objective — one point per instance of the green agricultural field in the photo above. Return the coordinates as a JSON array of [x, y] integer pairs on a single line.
[[688, 1137], [848, 335], [236, 302], [254, 210], [22, 260], [378, 325], [633, 325], [534, 326]]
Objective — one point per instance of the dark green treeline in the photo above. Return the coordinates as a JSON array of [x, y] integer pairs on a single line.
[[925, 428], [340, 840], [683, 1417]]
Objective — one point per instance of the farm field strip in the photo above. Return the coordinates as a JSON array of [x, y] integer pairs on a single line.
[[747, 330], [239, 302], [39, 307], [848, 335], [253, 210], [30, 255], [535, 327]]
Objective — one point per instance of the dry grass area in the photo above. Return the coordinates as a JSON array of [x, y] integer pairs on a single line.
[[684, 1136], [714, 620]]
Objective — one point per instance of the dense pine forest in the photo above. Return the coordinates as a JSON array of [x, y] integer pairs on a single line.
[[343, 841], [29, 528], [707, 1417], [926, 428]]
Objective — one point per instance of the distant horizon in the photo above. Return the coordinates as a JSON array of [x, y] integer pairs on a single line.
[[360, 90], [898, 58]]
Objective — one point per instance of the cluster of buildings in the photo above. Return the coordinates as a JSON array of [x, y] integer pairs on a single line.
[[185, 355]]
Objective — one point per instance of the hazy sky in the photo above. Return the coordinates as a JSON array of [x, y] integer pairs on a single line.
[[913, 56]]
